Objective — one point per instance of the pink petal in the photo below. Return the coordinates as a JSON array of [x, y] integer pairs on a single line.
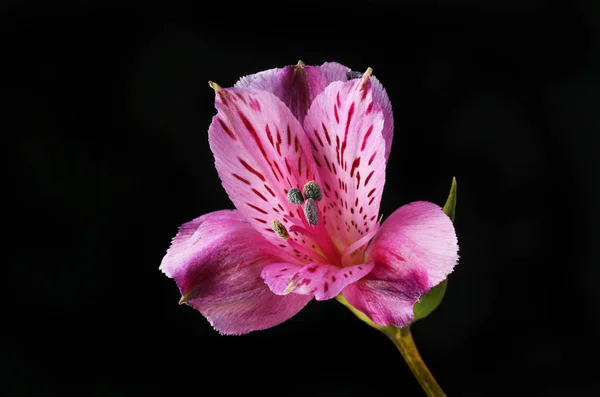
[[414, 250], [216, 261], [344, 126], [296, 86], [260, 153], [384, 302], [381, 98], [318, 279]]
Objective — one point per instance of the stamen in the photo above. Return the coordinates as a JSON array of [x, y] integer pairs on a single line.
[[310, 212], [312, 191], [351, 75], [280, 230], [294, 196]]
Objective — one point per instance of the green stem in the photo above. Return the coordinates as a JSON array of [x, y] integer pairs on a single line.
[[405, 343]]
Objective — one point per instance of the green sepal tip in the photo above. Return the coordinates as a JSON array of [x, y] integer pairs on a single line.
[[431, 300]]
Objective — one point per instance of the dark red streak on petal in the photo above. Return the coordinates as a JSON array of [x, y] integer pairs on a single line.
[[274, 173], [270, 190], [259, 194], [257, 208], [227, 130], [278, 169], [241, 179], [344, 143], [369, 177], [372, 158], [371, 193], [252, 132], [335, 112], [326, 162], [319, 138], [241, 98], [269, 136], [316, 161], [337, 149], [364, 143], [326, 134], [287, 166], [355, 165], [251, 169]]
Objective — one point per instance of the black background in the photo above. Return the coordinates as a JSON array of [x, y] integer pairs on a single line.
[[105, 126]]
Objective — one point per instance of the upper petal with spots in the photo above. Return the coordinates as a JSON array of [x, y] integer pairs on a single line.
[[344, 126], [261, 152]]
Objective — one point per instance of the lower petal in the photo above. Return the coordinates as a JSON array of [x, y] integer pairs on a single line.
[[321, 280], [216, 261], [414, 250], [417, 238], [385, 302]]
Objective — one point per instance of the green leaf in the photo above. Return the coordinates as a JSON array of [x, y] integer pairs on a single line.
[[450, 206], [431, 300]]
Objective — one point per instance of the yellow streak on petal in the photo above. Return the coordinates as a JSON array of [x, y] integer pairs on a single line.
[[291, 286], [365, 78], [214, 86], [186, 298]]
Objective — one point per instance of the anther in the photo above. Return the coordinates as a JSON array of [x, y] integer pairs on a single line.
[[312, 191], [294, 196], [351, 75], [280, 230], [310, 212]]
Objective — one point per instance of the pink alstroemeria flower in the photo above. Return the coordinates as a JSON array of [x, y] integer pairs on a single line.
[[302, 152]]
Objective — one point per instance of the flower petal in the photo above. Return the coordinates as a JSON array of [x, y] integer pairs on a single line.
[[297, 86], [384, 302], [321, 280], [381, 98], [216, 261], [344, 125], [414, 250], [260, 153]]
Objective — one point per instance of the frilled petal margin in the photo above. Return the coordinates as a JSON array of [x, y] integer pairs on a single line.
[[414, 250], [216, 261]]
